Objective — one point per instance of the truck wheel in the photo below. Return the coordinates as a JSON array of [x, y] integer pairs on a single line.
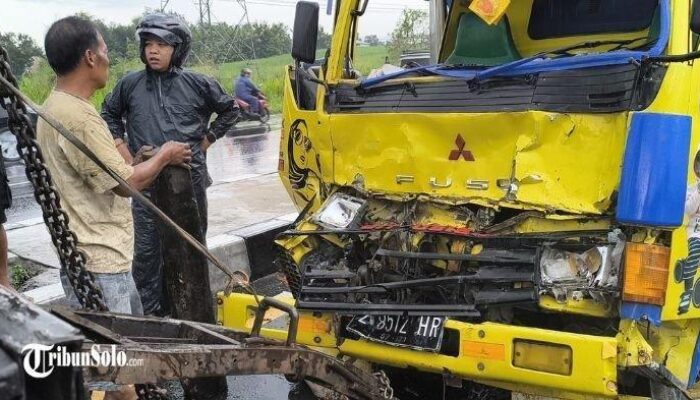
[[659, 391]]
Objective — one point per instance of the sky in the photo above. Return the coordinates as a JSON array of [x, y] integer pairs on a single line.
[[33, 17]]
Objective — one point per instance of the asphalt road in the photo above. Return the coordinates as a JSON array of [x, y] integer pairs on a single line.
[[259, 387]]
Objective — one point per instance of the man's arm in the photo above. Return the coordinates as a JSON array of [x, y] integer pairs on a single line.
[[223, 105], [172, 153], [692, 200], [95, 136], [113, 109], [123, 150], [4, 275]]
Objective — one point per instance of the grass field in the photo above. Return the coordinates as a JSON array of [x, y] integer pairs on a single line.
[[267, 74]]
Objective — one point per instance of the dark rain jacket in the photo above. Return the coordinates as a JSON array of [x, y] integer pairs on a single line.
[[151, 108], [175, 105]]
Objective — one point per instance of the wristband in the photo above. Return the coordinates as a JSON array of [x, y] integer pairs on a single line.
[[211, 137]]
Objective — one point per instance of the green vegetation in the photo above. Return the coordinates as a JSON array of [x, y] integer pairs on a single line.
[[267, 73], [21, 50], [37, 84], [411, 33], [19, 275]]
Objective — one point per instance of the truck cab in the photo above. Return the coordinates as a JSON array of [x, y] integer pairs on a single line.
[[513, 213]]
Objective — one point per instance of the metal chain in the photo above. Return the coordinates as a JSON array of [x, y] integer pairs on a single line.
[[72, 260], [386, 390]]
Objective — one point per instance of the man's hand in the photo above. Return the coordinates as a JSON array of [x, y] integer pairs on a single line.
[[5, 281], [171, 153], [205, 144], [177, 153], [142, 155]]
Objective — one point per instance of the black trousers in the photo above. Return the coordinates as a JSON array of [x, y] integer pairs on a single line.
[[147, 266]]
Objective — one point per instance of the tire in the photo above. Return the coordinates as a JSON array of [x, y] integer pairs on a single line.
[[264, 115], [8, 144]]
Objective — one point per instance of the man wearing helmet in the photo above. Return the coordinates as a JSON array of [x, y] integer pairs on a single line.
[[246, 90], [159, 103]]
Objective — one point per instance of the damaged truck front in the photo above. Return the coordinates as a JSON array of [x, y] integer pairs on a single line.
[[512, 214]]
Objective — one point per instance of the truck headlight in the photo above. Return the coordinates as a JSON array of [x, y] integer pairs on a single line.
[[598, 267], [340, 211]]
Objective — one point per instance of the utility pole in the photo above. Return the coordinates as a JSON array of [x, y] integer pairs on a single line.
[[207, 4], [244, 6], [201, 12], [204, 11], [237, 47], [163, 4]]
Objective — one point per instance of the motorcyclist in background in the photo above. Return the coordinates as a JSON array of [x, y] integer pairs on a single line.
[[246, 90], [160, 103]]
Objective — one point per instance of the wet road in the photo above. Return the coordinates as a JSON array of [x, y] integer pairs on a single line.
[[250, 150], [259, 387]]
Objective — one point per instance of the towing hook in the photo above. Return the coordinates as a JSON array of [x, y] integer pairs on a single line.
[[265, 305]]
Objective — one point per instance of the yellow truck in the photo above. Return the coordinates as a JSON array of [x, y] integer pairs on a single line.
[[519, 213]]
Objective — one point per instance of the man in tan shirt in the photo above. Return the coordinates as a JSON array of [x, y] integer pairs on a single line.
[[97, 206]]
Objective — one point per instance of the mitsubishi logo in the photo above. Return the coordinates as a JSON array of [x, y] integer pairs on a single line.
[[460, 152]]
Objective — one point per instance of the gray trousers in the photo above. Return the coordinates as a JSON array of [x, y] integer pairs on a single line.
[[119, 291]]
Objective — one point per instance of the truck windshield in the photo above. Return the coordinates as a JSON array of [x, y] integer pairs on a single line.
[[538, 35]]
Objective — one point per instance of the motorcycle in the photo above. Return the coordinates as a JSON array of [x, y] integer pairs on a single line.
[[247, 115]]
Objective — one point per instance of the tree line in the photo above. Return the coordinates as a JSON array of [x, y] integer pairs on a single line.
[[217, 43], [221, 43]]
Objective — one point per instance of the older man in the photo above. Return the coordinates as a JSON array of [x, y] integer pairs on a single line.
[[96, 204]]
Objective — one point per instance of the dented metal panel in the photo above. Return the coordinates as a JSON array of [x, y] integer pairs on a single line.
[[528, 159]]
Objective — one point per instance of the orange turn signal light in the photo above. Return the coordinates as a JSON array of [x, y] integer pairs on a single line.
[[646, 273]]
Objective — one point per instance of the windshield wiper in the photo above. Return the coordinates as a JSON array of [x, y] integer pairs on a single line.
[[591, 45], [466, 66], [563, 51]]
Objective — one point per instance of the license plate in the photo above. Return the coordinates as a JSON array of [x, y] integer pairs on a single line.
[[421, 332]]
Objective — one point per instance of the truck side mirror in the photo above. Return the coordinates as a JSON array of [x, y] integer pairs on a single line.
[[305, 32], [695, 17]]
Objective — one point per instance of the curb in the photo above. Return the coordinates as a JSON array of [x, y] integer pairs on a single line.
[[246, 249]]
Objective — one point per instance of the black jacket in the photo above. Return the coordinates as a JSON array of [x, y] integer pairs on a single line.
[[174, 105]]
